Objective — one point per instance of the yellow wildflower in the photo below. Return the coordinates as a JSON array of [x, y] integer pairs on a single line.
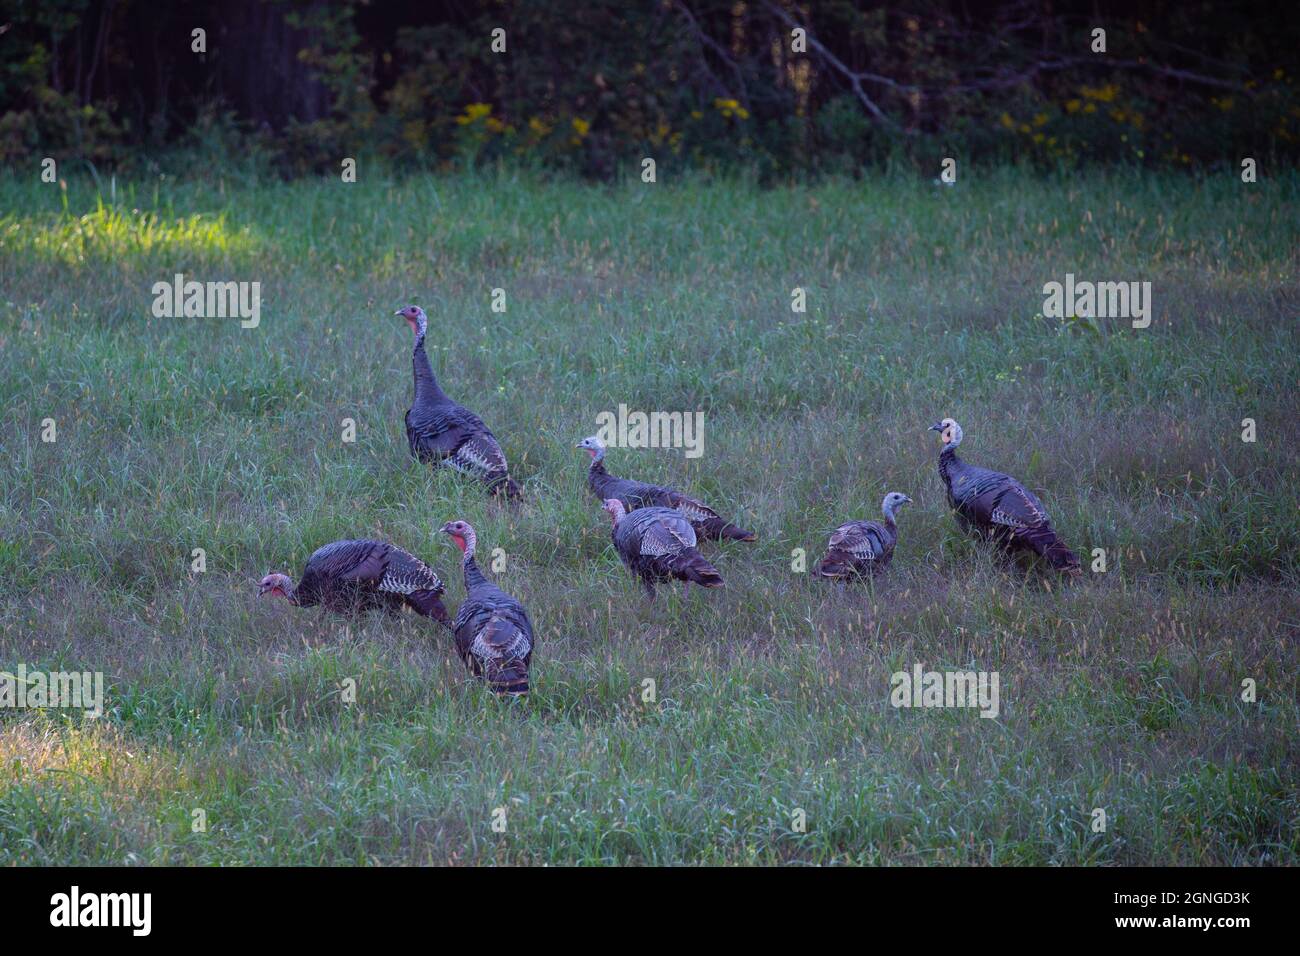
[[473, 112], [1105, 94]]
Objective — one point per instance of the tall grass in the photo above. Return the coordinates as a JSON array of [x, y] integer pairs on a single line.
[[1123, 691]]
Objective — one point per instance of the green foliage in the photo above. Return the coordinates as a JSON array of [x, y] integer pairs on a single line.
[[593, 87]]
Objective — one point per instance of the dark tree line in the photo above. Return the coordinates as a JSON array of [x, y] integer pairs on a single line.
[[594, 84]]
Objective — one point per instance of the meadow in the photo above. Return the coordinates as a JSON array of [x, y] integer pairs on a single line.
[[1121, 691]]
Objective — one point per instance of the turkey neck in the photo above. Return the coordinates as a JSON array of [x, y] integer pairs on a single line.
[[597, 476], [473, 576], [426, 386], [948, 462]]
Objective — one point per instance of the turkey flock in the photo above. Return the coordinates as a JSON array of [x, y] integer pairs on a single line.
[[655, 531]]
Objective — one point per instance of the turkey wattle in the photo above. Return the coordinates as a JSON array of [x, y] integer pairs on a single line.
[[493, 634], [440, 431], [638, 494], [996, 507], [859, 548], [658, 544], [349, 576]]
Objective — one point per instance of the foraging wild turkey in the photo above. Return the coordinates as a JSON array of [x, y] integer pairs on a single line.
[[995, 506], [493, 634], [863, 547], [658, 544], [441, 431], [347, 576], [638, 494]]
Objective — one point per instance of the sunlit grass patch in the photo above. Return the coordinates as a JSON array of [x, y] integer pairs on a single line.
[[58, 751], [121, 235]]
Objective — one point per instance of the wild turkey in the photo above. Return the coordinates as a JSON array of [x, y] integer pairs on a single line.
[[996, 507], [637, 494], [863, 547], [658, 544], [493, 634], [348, 576], [441, 431]]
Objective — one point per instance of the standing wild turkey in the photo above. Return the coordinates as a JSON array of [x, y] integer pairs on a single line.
[[348, 576], [493, 634], [441, 431], [863, 547], [996, 507], [658, 544], [637, 494]]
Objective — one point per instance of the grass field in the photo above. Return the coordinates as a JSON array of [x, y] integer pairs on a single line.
[[1121, 691]]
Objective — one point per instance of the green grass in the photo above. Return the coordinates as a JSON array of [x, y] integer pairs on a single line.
[[1121, 691]]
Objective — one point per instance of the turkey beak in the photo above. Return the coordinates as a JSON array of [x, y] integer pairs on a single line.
[[936, 427], [907, 499], [262, 589], [398, 312]]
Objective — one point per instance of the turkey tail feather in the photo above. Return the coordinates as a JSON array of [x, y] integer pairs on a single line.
[[510, 681], [1047, 544], [502, 485], [834, 565], [719, 529], [1062, 558], [430, 605], [692, 566]]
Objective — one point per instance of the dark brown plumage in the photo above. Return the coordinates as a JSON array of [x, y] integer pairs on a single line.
[[350, 576], [859, 548], [494, 636], [996, 507], [443, 432], [638, 494], [658, 544]]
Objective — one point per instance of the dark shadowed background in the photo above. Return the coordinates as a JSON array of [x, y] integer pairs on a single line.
[[590, 84]]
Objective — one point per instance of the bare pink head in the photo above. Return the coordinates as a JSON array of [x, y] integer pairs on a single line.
[[615, 509], [415, 318], [275, 583], [462, 532]]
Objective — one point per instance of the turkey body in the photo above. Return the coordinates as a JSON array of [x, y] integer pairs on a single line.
[[349, 576], [657, 544], [706, 522], [443, 432], [859, 548], [996, 507], [494, 636]]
